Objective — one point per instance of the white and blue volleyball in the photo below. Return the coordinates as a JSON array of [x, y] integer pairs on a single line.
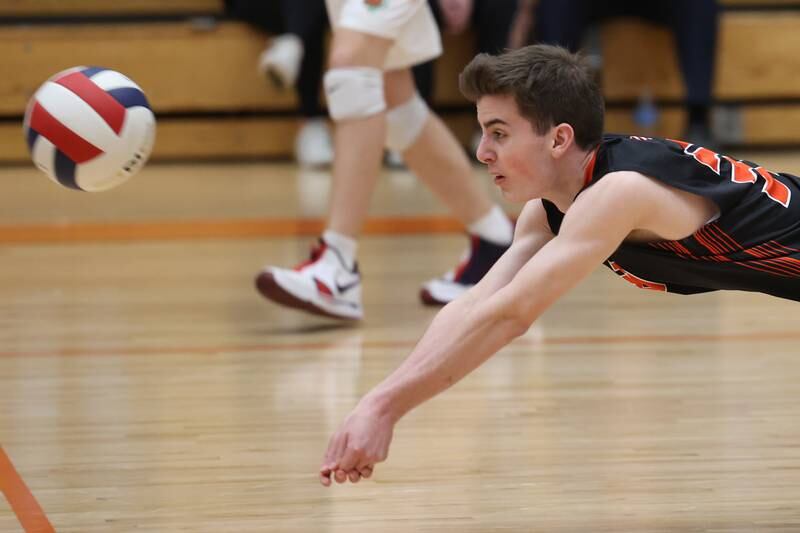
[[89, 128]]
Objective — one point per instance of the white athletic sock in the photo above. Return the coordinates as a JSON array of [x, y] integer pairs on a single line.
[[494, 226], [346, 246]]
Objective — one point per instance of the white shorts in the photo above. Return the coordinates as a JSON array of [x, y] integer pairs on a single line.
[[409, 23]]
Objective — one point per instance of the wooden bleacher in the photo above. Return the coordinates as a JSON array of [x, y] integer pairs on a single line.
[[757, 77], [55, 8], [199, 72]]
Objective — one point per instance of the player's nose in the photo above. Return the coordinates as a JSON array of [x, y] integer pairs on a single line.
[[484, 154]]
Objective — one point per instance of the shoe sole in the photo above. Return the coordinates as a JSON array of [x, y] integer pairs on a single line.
[[428, 299], [269, 289]]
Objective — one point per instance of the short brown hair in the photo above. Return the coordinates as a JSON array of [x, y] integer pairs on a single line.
[[549, 84]]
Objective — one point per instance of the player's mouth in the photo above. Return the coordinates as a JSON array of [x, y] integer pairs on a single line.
[[499, 179]]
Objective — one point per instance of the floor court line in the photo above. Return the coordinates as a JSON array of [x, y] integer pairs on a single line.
[[678, 338], [214, 229], [29, 513]]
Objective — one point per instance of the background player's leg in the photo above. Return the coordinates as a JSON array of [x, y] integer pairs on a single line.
[[358, 143], [437, 158], [330, 283], [432, 152]]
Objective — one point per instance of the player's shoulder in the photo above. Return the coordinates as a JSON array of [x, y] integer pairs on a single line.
[[623, 184], [628, 191], [618, 146], [650, 156]]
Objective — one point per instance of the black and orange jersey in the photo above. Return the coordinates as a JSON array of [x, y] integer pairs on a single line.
[[754, 243]]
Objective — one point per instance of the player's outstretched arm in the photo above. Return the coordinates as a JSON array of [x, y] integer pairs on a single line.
[[531, 233], [471, 329]]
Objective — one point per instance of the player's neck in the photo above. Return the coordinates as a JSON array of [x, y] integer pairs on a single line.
[[571, 178]]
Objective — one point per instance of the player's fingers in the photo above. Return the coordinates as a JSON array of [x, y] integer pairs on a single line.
[[327, 466], [354, 476], [341, 447], [340, 476], [350, 459], [325, 478], [335, 451], [365, 460], [326, 471], [365, 471], [326, 459]]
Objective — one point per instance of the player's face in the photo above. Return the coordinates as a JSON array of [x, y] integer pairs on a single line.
[[516, 155]]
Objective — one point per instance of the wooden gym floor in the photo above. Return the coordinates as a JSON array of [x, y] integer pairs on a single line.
[[144, 386]]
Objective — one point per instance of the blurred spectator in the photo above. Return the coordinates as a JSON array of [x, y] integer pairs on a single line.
[[491, 20], [694, 24], [294, 58]]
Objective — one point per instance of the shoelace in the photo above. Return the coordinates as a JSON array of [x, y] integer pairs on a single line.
[[316, 252]]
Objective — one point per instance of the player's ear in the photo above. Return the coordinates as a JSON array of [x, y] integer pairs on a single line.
[[563, 137]]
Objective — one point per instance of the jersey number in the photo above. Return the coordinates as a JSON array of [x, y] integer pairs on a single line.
[[740, 172]]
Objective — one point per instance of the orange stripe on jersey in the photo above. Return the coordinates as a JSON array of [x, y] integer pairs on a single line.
[[662, 245], [773, 250], [719, 237], [674, 247], [757, 252], [668, 246], [789, 263], [769, 251], [587, 173], [714, 228], [720, 244], [770, 258], [787, 266], [753, 266], [778, 245], [679, 249], [772, 264], [777, 266], [682, 249], [700, 237]]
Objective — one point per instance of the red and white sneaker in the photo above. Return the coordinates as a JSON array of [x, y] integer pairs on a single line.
[[323, 285], [474, 265]]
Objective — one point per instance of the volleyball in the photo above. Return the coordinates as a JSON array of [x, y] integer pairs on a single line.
[[89, 128]]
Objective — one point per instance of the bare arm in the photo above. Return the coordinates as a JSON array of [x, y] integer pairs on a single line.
[[471, 329], [452, 335], [531, 233], [467, 332], [456, 14]]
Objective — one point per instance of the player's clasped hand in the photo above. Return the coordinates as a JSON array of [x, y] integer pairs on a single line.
[[361, 441]]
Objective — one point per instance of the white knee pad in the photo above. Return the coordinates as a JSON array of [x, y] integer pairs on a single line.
[[354, 92], [404, 123]]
